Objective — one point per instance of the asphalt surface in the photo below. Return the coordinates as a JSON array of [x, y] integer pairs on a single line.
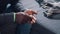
[[47, 26]]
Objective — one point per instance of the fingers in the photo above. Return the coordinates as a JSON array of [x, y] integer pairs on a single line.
[[30, 11], [33, 19]]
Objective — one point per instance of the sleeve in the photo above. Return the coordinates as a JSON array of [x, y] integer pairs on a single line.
[[6, 18]]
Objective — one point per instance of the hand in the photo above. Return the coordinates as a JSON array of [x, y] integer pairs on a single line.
[[21, 18], [31, 13], [26, 17]]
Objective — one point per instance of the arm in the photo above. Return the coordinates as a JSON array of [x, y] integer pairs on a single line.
[[6, 18]]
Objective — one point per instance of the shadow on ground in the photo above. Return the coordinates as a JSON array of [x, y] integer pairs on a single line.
[[38, 29]]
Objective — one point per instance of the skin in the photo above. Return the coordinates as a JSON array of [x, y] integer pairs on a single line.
[[31, 13], [26, 16]]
